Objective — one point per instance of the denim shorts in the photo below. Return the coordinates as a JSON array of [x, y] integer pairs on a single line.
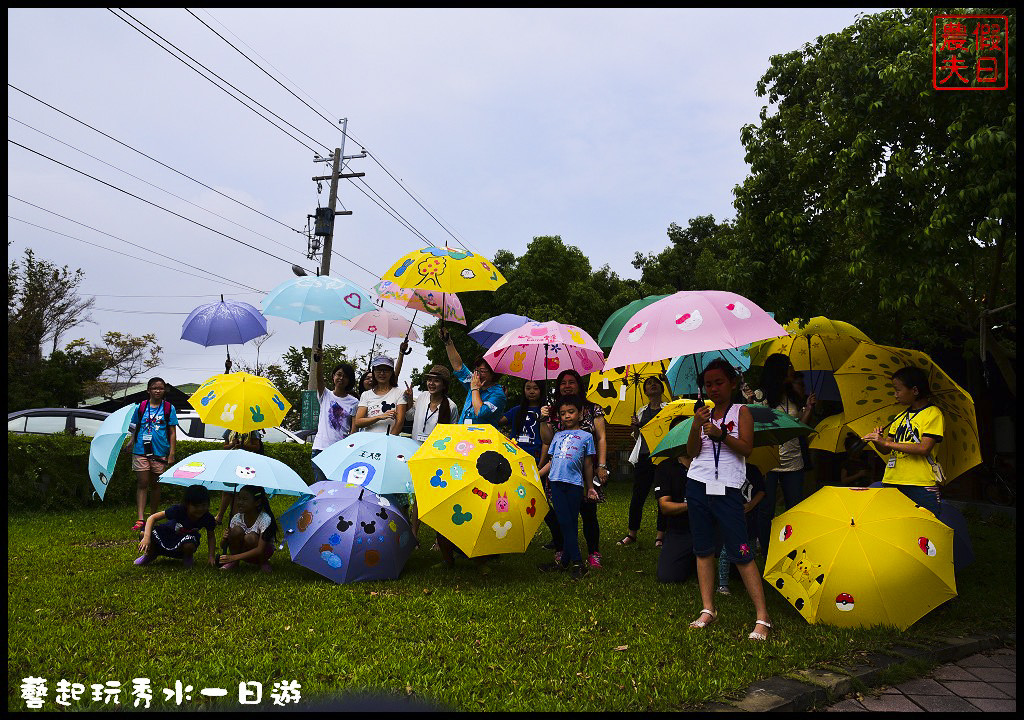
[[725, 511]]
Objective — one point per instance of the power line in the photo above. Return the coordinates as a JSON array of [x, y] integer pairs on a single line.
[[150, 157], [219, 78]]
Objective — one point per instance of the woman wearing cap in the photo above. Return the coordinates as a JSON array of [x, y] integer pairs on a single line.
[[382, 407], [485, 398]]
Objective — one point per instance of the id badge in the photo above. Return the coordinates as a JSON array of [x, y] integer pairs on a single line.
[[147, 438], [467, 421], [524, 438], [891, 463], [714, 488]]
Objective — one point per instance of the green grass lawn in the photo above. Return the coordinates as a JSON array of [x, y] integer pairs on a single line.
[[512, 640]]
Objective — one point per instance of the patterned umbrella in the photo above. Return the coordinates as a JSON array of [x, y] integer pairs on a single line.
[[620, 391], [347, 533], [384, 323], [538, 350], [423, 300], [613, 325], [307, 298], [228, 322], [448, 270]]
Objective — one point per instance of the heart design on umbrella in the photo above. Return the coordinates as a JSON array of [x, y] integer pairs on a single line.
[[354, 300]]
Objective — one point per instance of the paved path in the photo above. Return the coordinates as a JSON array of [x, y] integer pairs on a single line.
[[986, 681]]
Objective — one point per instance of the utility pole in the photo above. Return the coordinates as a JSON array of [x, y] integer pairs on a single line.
[[326, 228]]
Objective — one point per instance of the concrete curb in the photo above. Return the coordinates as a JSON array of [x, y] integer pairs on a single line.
[[819, 687]]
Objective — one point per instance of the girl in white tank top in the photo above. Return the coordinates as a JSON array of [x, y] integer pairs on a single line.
[[716, 461]]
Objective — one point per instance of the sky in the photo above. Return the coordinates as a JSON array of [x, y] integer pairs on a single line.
[[486, 128]]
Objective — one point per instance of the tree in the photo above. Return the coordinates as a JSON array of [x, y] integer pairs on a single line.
[[57, 381], [124, 357], [42, 304], [873, 193]]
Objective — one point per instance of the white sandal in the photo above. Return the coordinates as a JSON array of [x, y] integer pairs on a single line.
[[698, 623], [759, 635]]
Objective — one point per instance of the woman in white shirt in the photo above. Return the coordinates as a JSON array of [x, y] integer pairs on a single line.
[[431, 406], [381, 408]]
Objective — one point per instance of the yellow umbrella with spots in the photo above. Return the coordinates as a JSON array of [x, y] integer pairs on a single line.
[[818, 344], [857, 557], [866, 390], [478, 488], [620, 391]]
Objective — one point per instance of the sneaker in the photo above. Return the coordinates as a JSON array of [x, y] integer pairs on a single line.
[[145, 559], [594, 560], [552, 567], [724, 590], [579, 571], [559, 556], [550, 546]]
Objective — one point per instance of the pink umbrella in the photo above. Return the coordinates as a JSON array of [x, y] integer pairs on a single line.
[[384, 323], [422, 300], [691, 321], [539, 350]]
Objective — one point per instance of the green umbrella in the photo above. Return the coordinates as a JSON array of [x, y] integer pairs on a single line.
[[615, 322], [771, 427]]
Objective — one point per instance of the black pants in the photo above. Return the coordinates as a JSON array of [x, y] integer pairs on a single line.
[[643, 480], [676, 561]]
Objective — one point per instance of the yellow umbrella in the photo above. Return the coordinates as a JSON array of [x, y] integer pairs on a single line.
[[239, 401], [445, 269], [478, 489], [830, 434], [620, 391], [857, 557], [765, 458], [868, 402], [654, 431], [818, 344]]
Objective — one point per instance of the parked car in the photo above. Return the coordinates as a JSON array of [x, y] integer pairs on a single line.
[[195, 429], [50, 421]]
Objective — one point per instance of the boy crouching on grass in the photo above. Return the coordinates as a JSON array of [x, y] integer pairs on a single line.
[[568, 463], [179, 537]]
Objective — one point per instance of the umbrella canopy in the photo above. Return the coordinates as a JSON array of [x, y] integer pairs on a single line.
[[228, 322], [684, 372], [347, 533], [239, 401], [384, 323], [688, 322], [228, 470], [446, 269], [539, 350], [771, 427], [490, 330], [613, 325], [658, 426], [478, 489], [857, 557], [376, 461], [949, 514], [307, 298], [868, 402], [431, 302], [620, 391], [818, 344], [106, 444], [831, 433]]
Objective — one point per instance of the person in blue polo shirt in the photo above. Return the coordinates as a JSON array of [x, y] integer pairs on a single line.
[[485, 398]]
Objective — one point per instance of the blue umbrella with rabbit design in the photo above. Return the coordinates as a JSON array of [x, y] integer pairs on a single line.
[[240, 401], [347, 533]]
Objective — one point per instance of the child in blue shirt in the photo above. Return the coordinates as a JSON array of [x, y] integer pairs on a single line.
[[568, 463]]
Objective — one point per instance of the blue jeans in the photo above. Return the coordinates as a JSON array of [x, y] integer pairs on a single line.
[[926, 497], [318, 474], [792, 493], [566, 499]]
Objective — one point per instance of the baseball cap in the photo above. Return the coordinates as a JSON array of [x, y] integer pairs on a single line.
[[383, 360]]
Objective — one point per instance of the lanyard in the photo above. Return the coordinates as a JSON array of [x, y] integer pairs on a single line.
[[716, 445], [156, 414], [430, 414]]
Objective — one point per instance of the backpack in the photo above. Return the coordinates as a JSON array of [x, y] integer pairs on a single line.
[[138, 420]]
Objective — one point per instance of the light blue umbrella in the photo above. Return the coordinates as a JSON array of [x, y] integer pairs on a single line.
[[490, 330], [228, 470], [684, 371], [105, 446], [374, 460], [316, 298]]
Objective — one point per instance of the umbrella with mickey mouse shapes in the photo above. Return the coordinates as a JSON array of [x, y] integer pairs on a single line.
[[347, 533], [858, 557], [478, 489]]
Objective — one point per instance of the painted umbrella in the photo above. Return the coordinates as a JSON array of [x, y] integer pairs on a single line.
[[105, 446], [431, 302], [613, 325], [538, 350], [448, 270], [688, 322], [949, 514], [383, 323], [374, 460], [228, 470], [347, 533], [240, 402], [620, 391], [307, 298]]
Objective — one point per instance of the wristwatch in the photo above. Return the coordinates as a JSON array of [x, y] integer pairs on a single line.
[[603, 466]]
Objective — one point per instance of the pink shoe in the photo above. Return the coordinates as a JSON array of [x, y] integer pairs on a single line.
[[594, 561], [145, 559], [558, 557], [229, 566]]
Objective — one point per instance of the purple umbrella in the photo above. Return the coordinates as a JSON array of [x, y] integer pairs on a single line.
[[490, 330], [347, 533], [228, 322]]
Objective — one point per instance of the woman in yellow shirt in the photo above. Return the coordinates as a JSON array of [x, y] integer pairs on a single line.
[[910, 440]]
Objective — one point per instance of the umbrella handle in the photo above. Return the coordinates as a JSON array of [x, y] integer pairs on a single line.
[[414, 313]]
